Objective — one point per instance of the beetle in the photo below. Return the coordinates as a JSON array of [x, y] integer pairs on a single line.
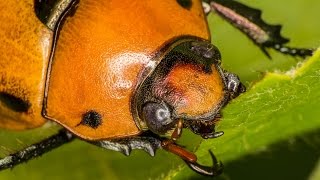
[[121, 82]]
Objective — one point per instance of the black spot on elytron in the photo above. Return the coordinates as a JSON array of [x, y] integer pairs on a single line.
[[15, 103], [92, 119], [187, 4]]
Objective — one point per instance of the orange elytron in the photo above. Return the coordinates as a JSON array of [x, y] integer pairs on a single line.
[[121, 75], [98, 59]]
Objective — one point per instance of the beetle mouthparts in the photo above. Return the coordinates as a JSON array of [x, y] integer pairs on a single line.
[[203, 128]]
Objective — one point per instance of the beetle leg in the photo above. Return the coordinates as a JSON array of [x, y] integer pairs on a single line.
[[191, 159], [126, 145], [36, 150], [234, 86], [248, 20], [114, 146], [150, 144], [170, 146]]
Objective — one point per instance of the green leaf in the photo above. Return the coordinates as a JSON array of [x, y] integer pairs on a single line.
[[316, 172]]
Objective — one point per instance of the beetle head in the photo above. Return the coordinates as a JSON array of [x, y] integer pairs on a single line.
[[187, 85]]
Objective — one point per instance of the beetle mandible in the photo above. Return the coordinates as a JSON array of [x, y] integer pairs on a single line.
[[120, 82]]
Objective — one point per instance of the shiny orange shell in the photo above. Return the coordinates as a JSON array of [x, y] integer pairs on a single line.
[[25, 45], [100, 51]]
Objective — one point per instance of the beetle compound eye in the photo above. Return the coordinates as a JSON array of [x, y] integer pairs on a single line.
[[163, 116], [157, 116], [157, 113]]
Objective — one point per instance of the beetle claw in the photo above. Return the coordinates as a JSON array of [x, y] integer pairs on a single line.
[[191, 159], [150, 150], [215, 170], [126, 151], [148, 144], [123, 148]]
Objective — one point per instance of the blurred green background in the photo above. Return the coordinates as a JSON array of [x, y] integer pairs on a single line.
[[294, 158]]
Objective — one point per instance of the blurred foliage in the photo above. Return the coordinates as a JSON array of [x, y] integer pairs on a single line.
[[258, 144]]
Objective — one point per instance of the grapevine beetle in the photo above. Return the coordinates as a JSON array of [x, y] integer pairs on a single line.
[[120, 82]]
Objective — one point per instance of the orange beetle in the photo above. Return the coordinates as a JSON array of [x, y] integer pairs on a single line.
[[119, 79]]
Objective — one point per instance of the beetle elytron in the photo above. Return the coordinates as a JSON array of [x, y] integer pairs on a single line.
[[117, 78]]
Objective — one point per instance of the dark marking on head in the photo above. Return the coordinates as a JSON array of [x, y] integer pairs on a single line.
[[92, 119], [15, 103], [187, 4], [206, 50]]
